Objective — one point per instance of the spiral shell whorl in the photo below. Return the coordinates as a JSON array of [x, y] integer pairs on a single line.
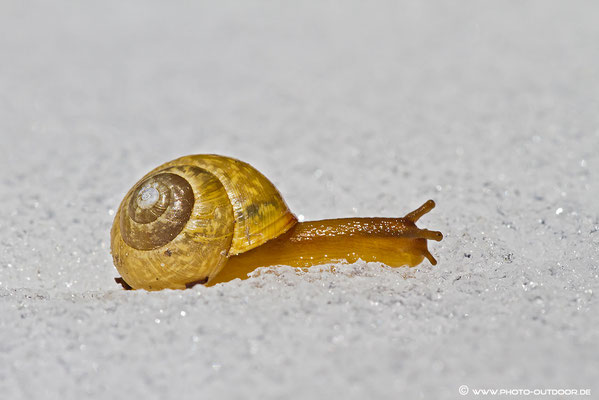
[[181, 222], [153, 249], [158, 209]]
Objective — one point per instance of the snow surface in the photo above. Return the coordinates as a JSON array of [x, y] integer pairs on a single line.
[[351, 109]]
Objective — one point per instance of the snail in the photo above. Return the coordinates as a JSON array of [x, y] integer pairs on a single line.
[[206, 219]]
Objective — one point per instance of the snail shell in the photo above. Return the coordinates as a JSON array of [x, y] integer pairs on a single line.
[[181, 222]]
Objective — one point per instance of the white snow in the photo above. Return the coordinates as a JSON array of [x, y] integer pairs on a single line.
[[351, 109]]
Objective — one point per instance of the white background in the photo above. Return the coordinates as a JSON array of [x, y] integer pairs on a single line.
[[489, 108]]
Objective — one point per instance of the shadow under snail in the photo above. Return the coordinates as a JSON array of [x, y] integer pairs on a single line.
[[207, 219]]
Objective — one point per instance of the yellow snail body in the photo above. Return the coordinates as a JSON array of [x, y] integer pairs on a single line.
[[206, 219]]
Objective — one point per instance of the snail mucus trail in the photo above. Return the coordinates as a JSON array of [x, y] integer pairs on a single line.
[[207, 219]]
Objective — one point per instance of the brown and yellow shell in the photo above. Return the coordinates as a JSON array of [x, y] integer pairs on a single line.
[[179, 224]]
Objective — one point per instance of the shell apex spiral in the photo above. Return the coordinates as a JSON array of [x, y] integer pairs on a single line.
[[179, 223]]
